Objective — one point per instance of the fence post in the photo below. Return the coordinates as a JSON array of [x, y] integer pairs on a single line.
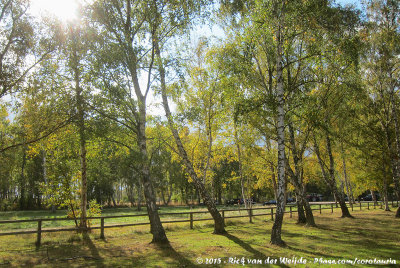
[[191, 220], [250, 215], [102, 228], [360, 205], [39, 233], [272, 214], [332, 207], [368, 205], [290, 211], [320, 209], [223, 216], [374, 205]]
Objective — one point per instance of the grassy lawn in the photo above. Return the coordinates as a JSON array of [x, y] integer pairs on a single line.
[[371, 234], [46, 214]]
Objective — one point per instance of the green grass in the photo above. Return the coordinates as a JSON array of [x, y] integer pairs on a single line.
[[371, 234], [46, 214]]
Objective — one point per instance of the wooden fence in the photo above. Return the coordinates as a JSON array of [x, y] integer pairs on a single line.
[[265, 211]]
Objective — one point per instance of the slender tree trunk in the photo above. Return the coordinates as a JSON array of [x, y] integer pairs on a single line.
[[156, 227], [198, 196], [170, 194], [129, 193], [301, 217], [385, 195], [113, 200], [309, 213], [272, 169], [330, 178], [80, 124], [131, 61], [351, 194], [219, 227], [374, 197], [273, 179], [53, 207], [346, 180], [162, 196], [339, 194], [385, 185], [276, 232], [336, 200], [139, 199], [22, 198], [301, 201], [307, 208], [297, 177], [73, 213], [239, 152], [184, 196]]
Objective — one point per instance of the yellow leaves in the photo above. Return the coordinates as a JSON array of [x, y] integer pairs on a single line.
[[314, 91], [233, 179], [33, 150]]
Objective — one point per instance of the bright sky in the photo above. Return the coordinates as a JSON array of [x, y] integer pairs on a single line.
[[64, 10], [356, 3]]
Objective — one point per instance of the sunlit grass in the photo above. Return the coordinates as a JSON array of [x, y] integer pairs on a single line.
[[46, 214], [371, 234]]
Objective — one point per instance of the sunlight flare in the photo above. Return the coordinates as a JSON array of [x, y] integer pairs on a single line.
[[63, 10]]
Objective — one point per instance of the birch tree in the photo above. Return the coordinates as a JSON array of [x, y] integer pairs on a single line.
[[124, 33], [382, 74]]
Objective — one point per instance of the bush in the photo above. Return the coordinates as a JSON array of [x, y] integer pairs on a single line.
[[74, 210], [6, 205]]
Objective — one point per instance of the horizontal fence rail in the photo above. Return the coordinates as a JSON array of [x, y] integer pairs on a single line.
[[191, 219]]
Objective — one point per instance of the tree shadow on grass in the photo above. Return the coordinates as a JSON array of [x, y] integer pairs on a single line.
[[168, 251], [93, 250], [249, 248], [344, 238], [311, 253]]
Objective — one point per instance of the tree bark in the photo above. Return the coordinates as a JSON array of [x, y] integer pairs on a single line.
[[351, 192], [374, 197], [22, 203], [346, 180], [139, 199], [80, 122], [339, 194], [385, 196], [276, 232], [129, 193], [219, 227], [385, 190], [301, 217], [297, 177], [156, 227], [330, 177]]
